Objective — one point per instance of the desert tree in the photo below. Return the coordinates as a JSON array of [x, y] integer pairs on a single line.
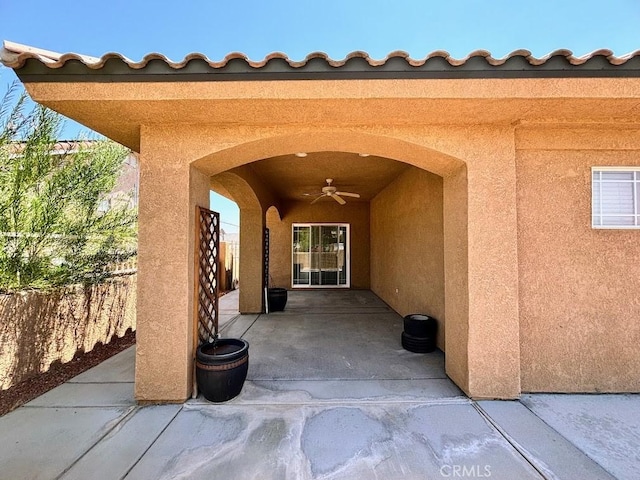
[[52, 229]]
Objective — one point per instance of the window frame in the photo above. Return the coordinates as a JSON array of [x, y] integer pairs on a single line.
[[636, 194]]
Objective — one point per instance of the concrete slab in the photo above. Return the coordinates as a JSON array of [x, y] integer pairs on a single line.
[[237, 326], [332, 391], [229, 302], [118, 369], [604, 427], [332, 301], [228, 307], [87, 395], [548, 451], [342, 441], [335, 346], [192, 440], [41, 443], [329, 396], [115, 454]]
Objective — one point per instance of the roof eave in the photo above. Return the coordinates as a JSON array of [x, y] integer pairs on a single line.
[[34, 65]]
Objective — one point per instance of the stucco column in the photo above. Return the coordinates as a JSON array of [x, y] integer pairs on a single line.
[[169, 192], [252, 223], [456, 277], [493, 342]]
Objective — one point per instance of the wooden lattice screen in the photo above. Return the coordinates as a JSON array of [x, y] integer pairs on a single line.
[[207, 254], [265, 266]]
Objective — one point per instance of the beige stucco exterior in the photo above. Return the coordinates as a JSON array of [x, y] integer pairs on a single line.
[[579, 307], [516, 276], [407, 246]]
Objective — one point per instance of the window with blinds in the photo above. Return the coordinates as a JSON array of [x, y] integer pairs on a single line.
[[615, 197]]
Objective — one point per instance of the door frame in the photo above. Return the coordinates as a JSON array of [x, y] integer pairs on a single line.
[[347, 260]]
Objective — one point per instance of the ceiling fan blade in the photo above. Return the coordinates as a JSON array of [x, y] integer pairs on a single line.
[[348, 194], [318, 198], [338, 199]]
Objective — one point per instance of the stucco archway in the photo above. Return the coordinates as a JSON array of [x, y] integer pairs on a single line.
[[451, 170], [480, 229], [235, 186], [438, 157]]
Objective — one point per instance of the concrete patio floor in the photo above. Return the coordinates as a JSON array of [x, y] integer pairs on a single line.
[[330, 394]]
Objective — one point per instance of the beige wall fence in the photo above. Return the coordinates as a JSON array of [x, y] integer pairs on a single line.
[[39, 328], [229, 263]]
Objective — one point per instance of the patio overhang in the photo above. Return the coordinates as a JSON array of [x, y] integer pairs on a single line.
[[117, 97]]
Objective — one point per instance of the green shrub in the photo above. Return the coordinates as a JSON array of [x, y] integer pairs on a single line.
[[52, 231]]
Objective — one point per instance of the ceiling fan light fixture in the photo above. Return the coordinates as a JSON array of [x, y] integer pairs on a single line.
[[332, 192], [301, 154]]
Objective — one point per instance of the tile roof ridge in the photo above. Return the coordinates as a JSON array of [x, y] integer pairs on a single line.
[[15, 55]]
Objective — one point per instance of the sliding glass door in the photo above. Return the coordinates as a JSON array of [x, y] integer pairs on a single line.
[[320, 255]]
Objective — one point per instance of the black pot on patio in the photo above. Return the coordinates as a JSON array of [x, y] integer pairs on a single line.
[[276, 299], [419, 334], [221, 368]]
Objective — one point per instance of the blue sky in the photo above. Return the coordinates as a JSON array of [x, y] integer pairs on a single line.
[[337, 27]]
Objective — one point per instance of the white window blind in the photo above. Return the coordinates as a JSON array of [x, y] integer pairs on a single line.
[[615, 198]]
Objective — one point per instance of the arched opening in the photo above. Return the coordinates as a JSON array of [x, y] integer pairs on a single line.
[[437, 155], [403, 242], [249, 194], [478, 233], [229, 241]]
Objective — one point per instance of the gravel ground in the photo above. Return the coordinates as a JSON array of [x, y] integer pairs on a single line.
[[33, 387]]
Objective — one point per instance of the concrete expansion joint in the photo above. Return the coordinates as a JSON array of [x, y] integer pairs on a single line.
[[524, 453], [151, 444], [567, 439], [72, 407], [228, 324], [106, 382], [117, 425], [545, 422], [199, 404]]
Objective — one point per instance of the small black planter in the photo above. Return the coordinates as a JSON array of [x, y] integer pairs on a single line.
[[221, 368], [277, 299], [418, 344], [419, 334], [420, 325]]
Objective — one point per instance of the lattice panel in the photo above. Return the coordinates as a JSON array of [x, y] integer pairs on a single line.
[[207, 262], [265, 265]]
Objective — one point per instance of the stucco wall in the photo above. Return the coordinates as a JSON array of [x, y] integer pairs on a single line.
[[579, 303], [354, 213], [478, 168], [407, 246], [40, 328]]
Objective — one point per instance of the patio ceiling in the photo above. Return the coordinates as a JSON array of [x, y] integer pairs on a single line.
[[298, 179]]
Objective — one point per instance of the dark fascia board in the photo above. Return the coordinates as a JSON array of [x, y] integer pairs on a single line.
[[237, 69]]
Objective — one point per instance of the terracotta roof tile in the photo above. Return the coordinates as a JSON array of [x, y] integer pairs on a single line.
[[16, 56]]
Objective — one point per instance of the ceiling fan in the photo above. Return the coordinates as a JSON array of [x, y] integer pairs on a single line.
[[331, 191]]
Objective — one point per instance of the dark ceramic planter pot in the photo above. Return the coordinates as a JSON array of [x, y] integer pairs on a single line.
[[221, 368], [277, 299], [419, 334]]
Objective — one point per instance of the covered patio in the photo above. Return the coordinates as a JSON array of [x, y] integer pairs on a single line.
[[332, 344]]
